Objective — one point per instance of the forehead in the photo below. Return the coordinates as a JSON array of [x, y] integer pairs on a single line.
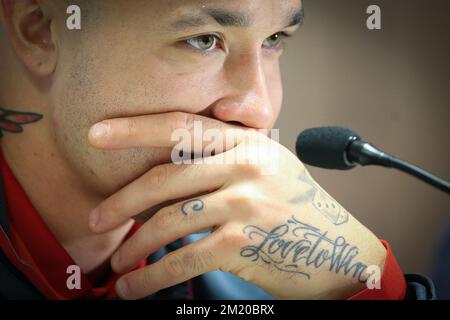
[[248, 12], [249, 6]]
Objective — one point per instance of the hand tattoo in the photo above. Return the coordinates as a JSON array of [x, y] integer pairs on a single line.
[[191, 206], [325, 204], [295, 246], [12, 121]]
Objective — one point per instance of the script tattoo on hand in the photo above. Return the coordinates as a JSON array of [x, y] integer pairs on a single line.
[[325, 204], [295, 247], [12, 121], [191, 206]]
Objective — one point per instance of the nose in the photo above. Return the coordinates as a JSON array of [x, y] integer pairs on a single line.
[[248, 100]]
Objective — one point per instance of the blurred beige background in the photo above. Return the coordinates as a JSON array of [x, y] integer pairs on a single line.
[[392, 86]]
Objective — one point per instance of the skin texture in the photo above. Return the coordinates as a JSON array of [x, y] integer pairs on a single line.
[[150, 73], [141, 80]]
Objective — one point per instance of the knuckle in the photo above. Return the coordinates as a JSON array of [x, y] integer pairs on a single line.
[[131, 127], [197, 262], [246, 201], [233, 239], [245, 272], [157, 177], [146, 280], [173, 265], [162, 219], [182, 120], [249, 170]]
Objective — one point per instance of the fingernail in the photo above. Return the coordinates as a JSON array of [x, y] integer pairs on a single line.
[[94, 218], [122, 288], [115, 260], [100, 130]]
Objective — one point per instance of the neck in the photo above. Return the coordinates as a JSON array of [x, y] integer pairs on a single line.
[[58, 194]]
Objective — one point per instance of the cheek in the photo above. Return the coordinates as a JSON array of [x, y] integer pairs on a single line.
[[194, 93], [166, 89], [153, 88], [90, 92], [275, 90]]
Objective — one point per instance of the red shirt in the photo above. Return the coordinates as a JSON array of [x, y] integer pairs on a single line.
[[393, 283], [34, 250]]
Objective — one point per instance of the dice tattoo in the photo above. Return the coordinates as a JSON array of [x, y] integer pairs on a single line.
[[324, 204], [329, 208]]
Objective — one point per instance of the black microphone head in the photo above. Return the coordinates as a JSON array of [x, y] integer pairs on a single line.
[[325, 147]]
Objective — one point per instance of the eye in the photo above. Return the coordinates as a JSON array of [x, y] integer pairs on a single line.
[[206, 42], [275, 40]]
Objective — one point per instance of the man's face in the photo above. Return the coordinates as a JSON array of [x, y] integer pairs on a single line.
[[142, 57]]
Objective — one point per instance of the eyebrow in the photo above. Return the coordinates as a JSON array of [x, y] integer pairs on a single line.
[[231, 19], [296, 17]]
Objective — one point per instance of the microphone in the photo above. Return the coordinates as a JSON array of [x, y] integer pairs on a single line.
[[342, 149]]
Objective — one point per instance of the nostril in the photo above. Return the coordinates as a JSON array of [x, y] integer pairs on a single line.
[[236, 123]]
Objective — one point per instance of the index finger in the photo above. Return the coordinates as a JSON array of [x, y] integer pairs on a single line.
[[156, 130]]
